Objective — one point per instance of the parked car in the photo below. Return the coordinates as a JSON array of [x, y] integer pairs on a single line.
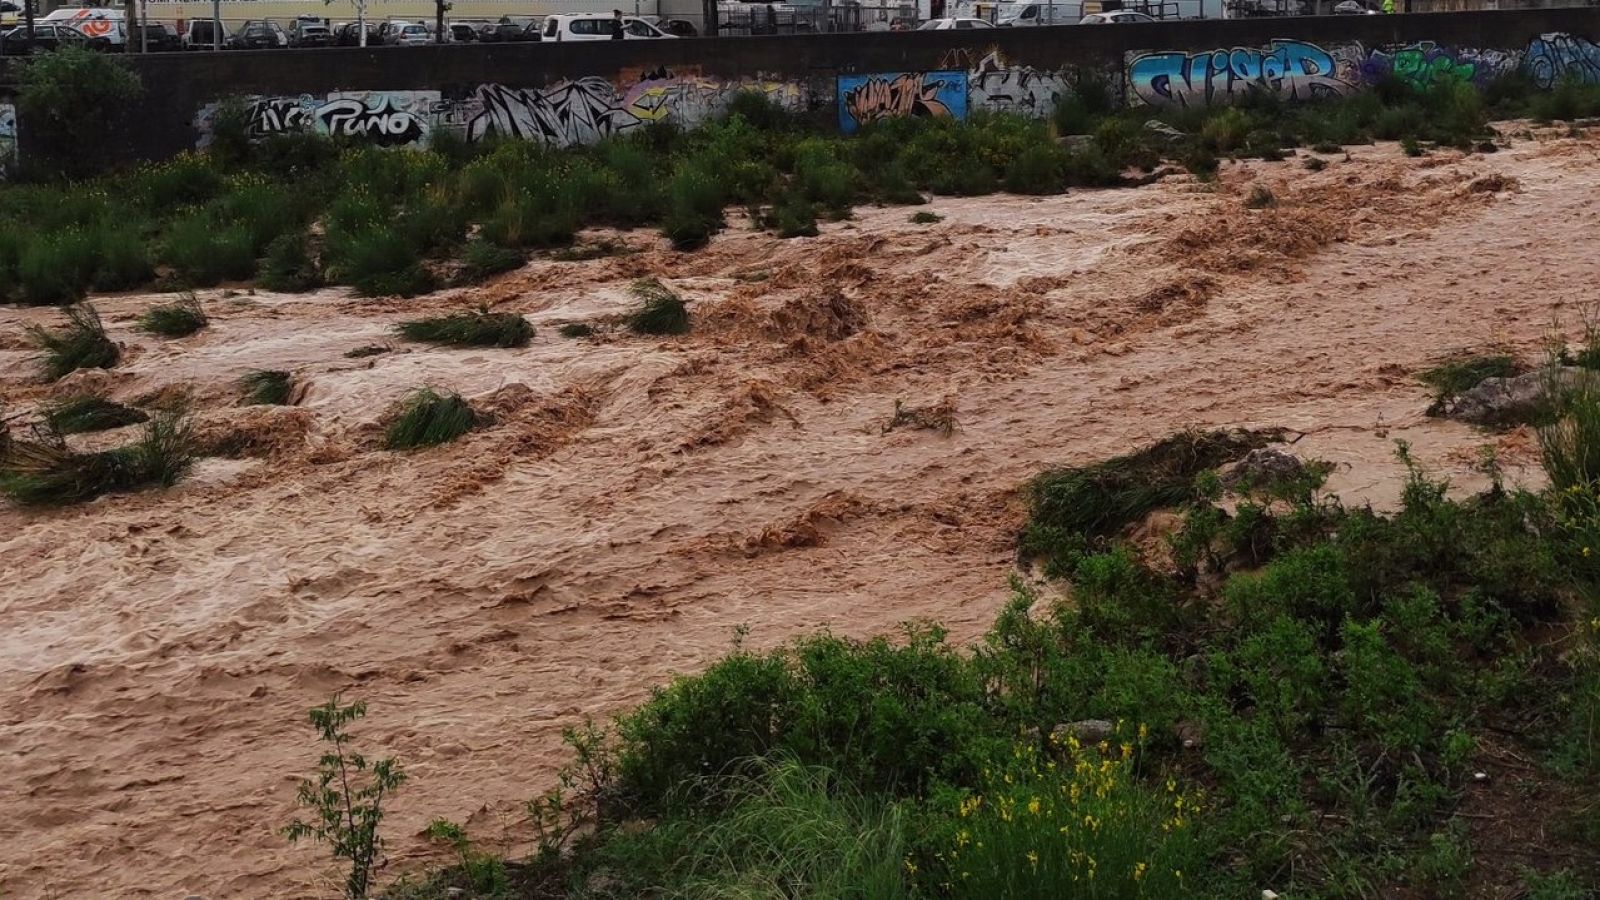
[[349, 35], [404, 34], [1116, 17], [307, 32], [256, 35], [1018, 15], [154, 37], [594, 27], [463, 33], [200, 34], [679, 28], [10, 13], [46, 37], [502, 33], [954, 23]]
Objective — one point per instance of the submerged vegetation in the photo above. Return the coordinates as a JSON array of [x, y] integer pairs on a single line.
[[428, 418], [82, 344], [479, 328], [179, 319], [80, 415], [660, 310], [267, 387], [46, 472]]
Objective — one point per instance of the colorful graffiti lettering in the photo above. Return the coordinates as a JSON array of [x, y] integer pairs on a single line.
[[8, 139], [864, 99], [998, 87], [384, 118], [1428, 63], [1293, 70], [1553, 58]]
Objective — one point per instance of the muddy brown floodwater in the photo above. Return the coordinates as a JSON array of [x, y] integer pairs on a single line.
[[637, 499]]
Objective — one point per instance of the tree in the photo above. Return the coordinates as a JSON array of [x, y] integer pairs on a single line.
[[67, 99]]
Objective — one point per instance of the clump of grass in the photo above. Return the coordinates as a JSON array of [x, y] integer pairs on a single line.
[[794, 217], [80, 415], [1261, 197], [368, 350], [479, 328], [576, 330], [179, 319], [939, 417], [1571, 444], [267, 387], [428, 418], [1100, 499], [47, 473], [288, 266], [596, 250], [1326, 147], [83, 344], [1454, 377], [660, 310], [483, 259], [1410, 147], [1315, 164], [925, 218]]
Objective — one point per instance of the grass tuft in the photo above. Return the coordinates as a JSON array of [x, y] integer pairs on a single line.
[[1261, 197], [427, 418], [81, 415], [576, 330], [479, 328], [179, 319], [660, 310], [926, 218], [1454, 377], [83, 344], [267, 387], [484, 259], [47, 473]]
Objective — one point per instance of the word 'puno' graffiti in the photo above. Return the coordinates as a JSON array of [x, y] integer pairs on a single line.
[[575, 112], [864, 99]]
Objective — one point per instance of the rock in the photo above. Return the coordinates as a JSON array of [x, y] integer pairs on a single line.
[[1269, 895], [455, 892], [1262, 467], [1508, 401], [1190, 734], [1156, 126], [1087, 731]]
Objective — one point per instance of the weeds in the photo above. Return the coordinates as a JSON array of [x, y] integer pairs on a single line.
[[926, 218], [48, 473], [427, 418], [83, 344], [939, 417], [288, 266], [483, 260], [660, 311], [346, 797], [1260, 197], [175, 320], [480, 328], [267, 387], [80, 415], [368, 350], [1454, 377], [576, 330]]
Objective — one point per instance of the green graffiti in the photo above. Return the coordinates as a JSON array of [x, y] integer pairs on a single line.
[[1426, 67]]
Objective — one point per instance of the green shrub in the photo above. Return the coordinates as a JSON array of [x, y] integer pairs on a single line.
[[1038, 169], [660, 311], [67, 98], [267, 387], [379, 262], [427, 418], [576, 330], [794, 217], [80, 415], [179, 319], [1571, 445], [1454, 377], [83, 344], [56, 268], [926, 218], [483, 259], [204, 254], [470, 329], [694, 208], [123, 260], [49, 474], [288, 266], [1260, 197]]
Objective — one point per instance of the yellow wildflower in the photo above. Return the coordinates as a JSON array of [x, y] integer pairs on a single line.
[[1033, 860], [911, 867], [1127, 750], [1144, 731], [1033, 806], [1139, 870]]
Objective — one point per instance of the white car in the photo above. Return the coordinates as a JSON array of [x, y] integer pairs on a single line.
[[405, 34], [1116, 17], [953, 23], [597, 27]]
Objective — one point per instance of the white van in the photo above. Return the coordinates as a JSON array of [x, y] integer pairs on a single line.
[[99, 23], [1017, 15], [597, 27]]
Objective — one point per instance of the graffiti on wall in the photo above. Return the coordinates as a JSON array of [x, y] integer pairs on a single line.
[[384, 118], [1292, 70], [1427, 63], [8, 139], [864, 99], [996, 86], [573, 112], [1553, 58]]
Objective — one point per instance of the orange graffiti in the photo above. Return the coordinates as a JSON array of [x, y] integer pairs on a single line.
[[910, 94]]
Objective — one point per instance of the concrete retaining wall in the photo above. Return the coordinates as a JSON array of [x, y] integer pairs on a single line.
[[578, 92]]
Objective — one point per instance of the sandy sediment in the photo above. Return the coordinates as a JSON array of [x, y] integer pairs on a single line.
[[635, 500]]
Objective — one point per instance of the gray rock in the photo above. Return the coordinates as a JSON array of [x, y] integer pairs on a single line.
[[1263, 466], [1087, 731], [1156, 126], [1508, 401]]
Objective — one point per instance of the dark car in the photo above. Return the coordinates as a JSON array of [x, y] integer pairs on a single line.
[[680, 28], [45, 38], [309, 33], [349, 35], [154, 38], [502, 32], [462, 33], [258, 36]]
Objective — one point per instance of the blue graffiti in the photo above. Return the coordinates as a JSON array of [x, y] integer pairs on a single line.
[[1293, 70], [1553, 58]]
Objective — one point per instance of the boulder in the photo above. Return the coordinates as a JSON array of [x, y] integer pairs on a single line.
[[1087, 731], [1262, 467], [1509, 401]]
